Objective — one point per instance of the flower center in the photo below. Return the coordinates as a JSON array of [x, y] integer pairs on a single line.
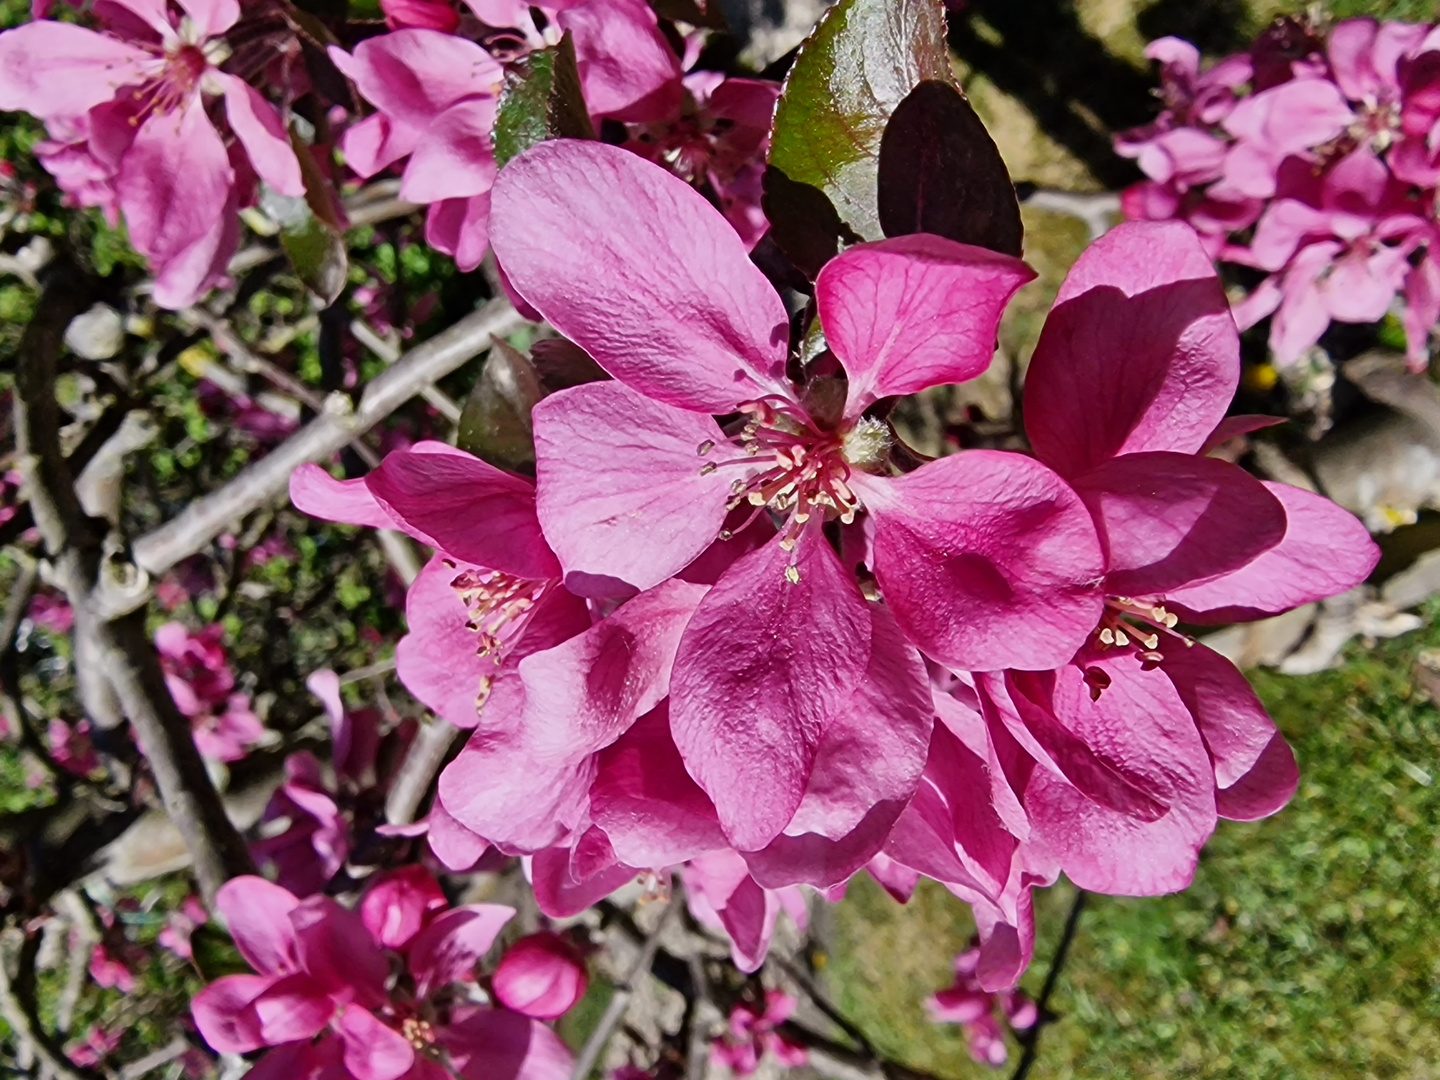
[[418, 1033], [498, 605], [799, 470], [1134, 625]]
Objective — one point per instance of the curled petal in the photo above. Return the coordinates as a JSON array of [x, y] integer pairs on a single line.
[[448, 949], [258, 127], [58, 69], [918, 311], [258, 914], [628, 70]]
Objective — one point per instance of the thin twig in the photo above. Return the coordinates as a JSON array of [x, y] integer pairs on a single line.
[[266, 481], [422, 761], [442, 402], [1030, 1040], [20, 1014], [697, 1051], [834, 1015], [369, 671], [620, 1003]]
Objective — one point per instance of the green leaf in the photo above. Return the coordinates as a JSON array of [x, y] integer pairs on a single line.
[[863, 59], [495, 421], [542, 100], [310, 230], [215, 954]]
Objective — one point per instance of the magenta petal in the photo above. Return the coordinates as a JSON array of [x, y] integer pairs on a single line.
[[457, 848], [632, 264], [918, 311], [810, 858], [337, 951], [988, 560], [176, 188], [461, 229], [222, 1013], [561, 895], [455, 159], [1325, 551], [719, 889], [291, 1009], [1139, 353], [621, 491], [1255, 771], [260, 131], [448, 949], [1140, 720], [258, 915], [398, 905], [373, 1051], [466, 508], [628, 70], [496, 1044], [377, 142], [768, 670], [1167, 520], [59, 69], [415, 75], [315, 492], [645, 801]]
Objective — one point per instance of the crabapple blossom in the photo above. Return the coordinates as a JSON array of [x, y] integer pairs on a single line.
[[198, 675], [541, 975], [130, 131], [753, 1034], [968, 1004], [785, 670], [323, 1001]]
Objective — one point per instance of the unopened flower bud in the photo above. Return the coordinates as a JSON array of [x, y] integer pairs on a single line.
[[541, 976]]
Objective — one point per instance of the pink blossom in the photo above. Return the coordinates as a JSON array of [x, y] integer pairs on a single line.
[[198, 675], [967, 1003], [110, 972], [70, 746], [542, 976], [722, 894], [97, 1045], [784, 675], [753, 1033], [126, 111], [305, 836], [322, 972], [180, 925], [436, 96], [488, 598]]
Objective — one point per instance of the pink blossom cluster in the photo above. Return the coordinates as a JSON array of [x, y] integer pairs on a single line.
[[728, 631], [1313, 158], [973, 1007], [753, 1033], [388, 991], [200, 679], [171, 115]]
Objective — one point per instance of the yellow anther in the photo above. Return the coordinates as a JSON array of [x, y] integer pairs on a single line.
[[792, 573]]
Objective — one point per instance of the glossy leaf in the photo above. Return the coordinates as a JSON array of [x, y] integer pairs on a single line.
[[852, 73], [310, 230], [495, 422], [542, 100], [941, 173]]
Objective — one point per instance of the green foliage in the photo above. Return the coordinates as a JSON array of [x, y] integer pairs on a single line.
[[542, 100], [1305, 948], [851, 74], [495, 424]]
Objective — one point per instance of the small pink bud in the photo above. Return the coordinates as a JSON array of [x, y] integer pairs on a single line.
[[420, 15], [541, 976]]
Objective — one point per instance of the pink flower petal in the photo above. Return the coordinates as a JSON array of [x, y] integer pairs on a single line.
[[448, 949], [645, 801], [1167, 520], [176, 189], [767, 667], [465, 508], [377, 142], [415, 75], [338, 952], [494, 1044], [258, 915], [632, 264], [461, 229], [1255, 771], [455, 159], [560, 895], [907, 314], [59, 69], [1324, 552], [373, 1051], [293, 1008], [315, 492], [622, 494], [628, 70], [398, 905], [541, 976], [457, 848], [211, 17], [1139, 353], [261, 133], [222, 1013], [988, 560]]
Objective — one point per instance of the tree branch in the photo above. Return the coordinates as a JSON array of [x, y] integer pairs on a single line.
[[17, 1007], [266, 481], [118, 652]]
